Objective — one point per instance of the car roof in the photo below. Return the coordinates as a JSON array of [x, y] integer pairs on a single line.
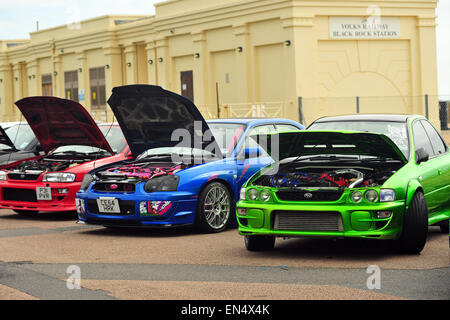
[[368, 117], [251, 120]]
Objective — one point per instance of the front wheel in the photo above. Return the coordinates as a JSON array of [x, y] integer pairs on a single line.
[[259, 243], [215, 207], [415, 226]]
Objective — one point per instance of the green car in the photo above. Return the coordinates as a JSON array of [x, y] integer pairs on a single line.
[[381, 177]]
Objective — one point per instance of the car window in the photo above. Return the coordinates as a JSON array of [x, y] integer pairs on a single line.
[[421, 139], [286, 127], [21, 135], [251, 143], [436, 140]]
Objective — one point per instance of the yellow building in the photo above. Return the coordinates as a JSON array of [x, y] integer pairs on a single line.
[[300, 59]]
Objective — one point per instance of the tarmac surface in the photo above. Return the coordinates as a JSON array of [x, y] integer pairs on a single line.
[[38, 254]]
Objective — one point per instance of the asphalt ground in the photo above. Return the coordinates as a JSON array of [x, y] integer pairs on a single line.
[[38, 254]]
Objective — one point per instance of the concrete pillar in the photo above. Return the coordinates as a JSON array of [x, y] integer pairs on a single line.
[[302, 51], [426, 28], [163, 61], [152, 63], [243, 64], [113, 73], [131, 64], [58, 77], [203, 93], [84, 91], [7, 108], [34, 78]]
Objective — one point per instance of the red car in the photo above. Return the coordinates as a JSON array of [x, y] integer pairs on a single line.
[[72, 144]]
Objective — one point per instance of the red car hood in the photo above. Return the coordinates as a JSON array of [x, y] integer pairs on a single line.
[[58, 122]]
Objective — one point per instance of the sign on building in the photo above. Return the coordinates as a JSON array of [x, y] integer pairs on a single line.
[[370, 27]]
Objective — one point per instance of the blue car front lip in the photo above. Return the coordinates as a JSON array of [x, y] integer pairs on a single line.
[[182, 211]]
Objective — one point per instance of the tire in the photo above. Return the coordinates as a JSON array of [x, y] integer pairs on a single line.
[[415, 226], [259, 243], [214, 209], [26, 212], [444, 227]]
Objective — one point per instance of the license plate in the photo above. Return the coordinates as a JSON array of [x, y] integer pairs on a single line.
[[43, 193], [108, 205]]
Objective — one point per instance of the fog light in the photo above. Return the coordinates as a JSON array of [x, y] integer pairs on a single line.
[[384, 214], [356, 196], [265, 195], [252, 194], [371, 195], [63, 191], [242, 211]]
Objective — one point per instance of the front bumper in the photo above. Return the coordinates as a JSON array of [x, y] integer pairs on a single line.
[[181, 211], [22, 196], [354, 221]]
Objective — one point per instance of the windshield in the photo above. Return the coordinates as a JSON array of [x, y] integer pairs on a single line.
[[113, 135], [396, 131], [169, 151], [227, 135], [21, 135]]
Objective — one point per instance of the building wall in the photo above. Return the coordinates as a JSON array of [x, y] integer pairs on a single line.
[[252, 58]]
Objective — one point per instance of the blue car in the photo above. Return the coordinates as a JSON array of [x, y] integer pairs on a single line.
[[186, 171]]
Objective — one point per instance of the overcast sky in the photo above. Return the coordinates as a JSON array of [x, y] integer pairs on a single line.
[[18, 18]]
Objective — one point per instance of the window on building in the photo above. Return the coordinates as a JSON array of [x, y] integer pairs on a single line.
[[47, 87], [71, 85], [98, 90]]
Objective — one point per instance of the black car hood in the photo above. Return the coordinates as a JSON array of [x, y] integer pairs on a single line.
[[315, 143], [149, 115], [4, 139]]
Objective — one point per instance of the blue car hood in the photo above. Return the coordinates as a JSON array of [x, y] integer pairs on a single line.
[[149, 117]]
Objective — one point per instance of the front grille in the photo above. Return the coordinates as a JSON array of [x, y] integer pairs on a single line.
[[307, 221], [126, 208], [114, 187], [27, 195], [305, 195], [24, 176]]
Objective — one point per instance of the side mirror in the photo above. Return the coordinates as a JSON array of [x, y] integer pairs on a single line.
[[252, 152], [421, 155]]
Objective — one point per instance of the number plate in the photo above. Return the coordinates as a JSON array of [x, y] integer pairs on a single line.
[[43, 193], [108, 205]]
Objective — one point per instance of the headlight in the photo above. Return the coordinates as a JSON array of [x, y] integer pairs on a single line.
[[59, 177], [164, 183], [242, 194], [371, 195], [2, 176], [252, 194], [356, 196], [387, 195], [265, 195], [87, 180]]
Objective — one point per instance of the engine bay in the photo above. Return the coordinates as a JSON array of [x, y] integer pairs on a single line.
[[326, 177], [46, 165], [141, 171]]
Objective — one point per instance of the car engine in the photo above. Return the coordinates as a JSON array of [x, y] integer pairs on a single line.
[[324, 177]]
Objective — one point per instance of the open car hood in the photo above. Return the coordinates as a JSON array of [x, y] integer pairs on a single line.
[[149, 115], [4, 139], [59, 122], [310, 143]]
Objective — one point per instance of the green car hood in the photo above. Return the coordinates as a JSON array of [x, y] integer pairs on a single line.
[[310, 143]]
